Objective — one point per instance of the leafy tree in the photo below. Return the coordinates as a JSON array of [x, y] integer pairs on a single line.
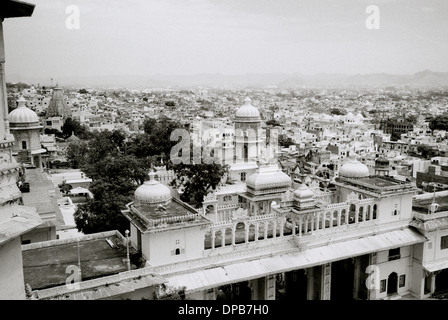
[[439, 123], [337, 111], [427, 151], [272, 122], [73, 126], [76, 153], [285, 141], [197, 180]]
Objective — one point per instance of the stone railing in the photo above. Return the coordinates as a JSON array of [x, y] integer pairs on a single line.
[[162, 222]]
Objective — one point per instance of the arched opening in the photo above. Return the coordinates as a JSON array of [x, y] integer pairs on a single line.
[[218, 238], [240, 233], [208, 240], [335, 218], [360, 214], [343, 217], [352, 213], [177, 251], [368, 213], [271, 229], [252, 232], [245, 152], [228, 237], [392, 283], [374, 211]]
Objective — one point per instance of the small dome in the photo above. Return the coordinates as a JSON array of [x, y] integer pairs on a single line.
[[247, 112], [22, 114], [152, 192], [267, 178], [354, 169], [303, 193]]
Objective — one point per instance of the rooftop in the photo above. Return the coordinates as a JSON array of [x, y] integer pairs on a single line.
[[45, 263], [174, 214]]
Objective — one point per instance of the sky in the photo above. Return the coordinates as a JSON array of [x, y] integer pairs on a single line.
[[171, 37]]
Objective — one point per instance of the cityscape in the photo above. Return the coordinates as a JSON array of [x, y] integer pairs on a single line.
[[206, 150]]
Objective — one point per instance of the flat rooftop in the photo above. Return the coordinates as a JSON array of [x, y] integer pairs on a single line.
[[379, 182], [45, 267]]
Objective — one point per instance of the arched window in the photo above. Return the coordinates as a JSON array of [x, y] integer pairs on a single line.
[[352, 213], [374, 211], [177, 252]]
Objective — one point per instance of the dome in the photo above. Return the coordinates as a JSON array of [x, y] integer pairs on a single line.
[[152, 192], [247, 112], [22, 114], [303, 193], [267, 178], [354, 169]]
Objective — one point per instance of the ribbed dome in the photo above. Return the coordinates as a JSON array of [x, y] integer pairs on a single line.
[[303, 193], [354, 169], [22, 114], [267, 178], [247, 112], [152, 192]]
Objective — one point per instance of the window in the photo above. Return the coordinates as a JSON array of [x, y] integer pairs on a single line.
[[177, 252], [394, 254], [23, 144], [243, 176], [26, 241], [444, 242], [383, 285], [402, 281]]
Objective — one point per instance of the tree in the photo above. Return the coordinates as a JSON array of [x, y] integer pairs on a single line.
[[73, 126], [76, 154], [197, 180], [285, 141], [272, 122], [439, 123], [427, 151], [337, 111]]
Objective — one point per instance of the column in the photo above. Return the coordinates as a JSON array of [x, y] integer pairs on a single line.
[[3, 97], [331, 220], [257, 225], [310, 284], [300, 227], [223, 238], [326, 282], [356, 214], [282, 224], [246, 236], [233, 234], [213, 239], [357, 278], [265, 236], [364, 213], [339, 218], [274, 231]]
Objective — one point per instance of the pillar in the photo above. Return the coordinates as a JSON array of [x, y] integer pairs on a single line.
[[310, 284], [326, 282], [213, 239], [4, 124]]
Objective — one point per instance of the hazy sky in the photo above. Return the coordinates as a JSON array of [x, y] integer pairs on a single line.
[[144, 37]]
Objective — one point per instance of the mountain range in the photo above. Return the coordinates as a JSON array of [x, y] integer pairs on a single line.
[[426, 78]]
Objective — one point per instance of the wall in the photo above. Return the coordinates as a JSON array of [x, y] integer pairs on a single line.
[[400, 266], [162, 245], [11, 271]]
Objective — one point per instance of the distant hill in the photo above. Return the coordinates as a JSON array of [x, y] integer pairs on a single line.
[[424, 78]]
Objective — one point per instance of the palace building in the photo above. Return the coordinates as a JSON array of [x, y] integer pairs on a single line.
[[274, 238]]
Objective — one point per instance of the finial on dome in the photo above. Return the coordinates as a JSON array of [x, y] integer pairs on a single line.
[[21, 102], [247, 100], [152, 176]]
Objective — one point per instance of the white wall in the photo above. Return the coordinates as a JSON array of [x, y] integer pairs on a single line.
[[12, 285]]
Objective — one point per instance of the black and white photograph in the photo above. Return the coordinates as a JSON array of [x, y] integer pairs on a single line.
[[249, 153]]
